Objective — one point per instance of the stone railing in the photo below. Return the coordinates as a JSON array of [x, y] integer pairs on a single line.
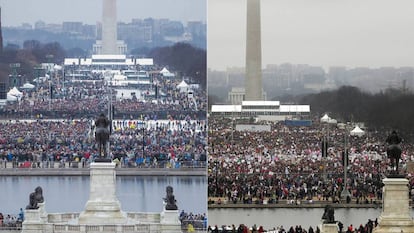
[[67, 223], [145, 217], [66, 228], [59, 218]]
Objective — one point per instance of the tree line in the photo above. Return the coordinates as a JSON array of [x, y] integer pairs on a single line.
[[191, 61], [386, 110]]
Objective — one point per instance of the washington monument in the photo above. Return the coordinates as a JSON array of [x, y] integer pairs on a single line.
[[253, 81], [109, 27]]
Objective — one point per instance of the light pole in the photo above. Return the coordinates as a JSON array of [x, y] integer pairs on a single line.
[[15, 75], [142, 125], [50, 94], [37, 69], [216, 175], [143, 141], [345, 193], [109, 116]]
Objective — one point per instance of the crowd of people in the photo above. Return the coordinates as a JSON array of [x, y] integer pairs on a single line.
[[133, 143], [193, 222], [11, 222], [166, 129], [286, 163], [64, 98], [368, 227]]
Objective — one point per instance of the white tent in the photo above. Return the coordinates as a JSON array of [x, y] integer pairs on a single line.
[[357, 132], [332, 121], [15, 92], [166, 73], [11, 97], [183, 86], [27, 86], [325, 118]]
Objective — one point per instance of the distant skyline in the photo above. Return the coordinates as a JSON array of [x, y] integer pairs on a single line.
[[16, 12], [352, 33]]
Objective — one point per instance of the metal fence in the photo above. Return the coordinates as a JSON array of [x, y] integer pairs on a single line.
[[193, 226]]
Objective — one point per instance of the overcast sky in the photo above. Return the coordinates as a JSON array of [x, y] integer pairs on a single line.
[[325, 33], [16, 12]]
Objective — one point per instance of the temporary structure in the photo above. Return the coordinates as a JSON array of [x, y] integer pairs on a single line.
[[11, 97], [27, 86], [15, 92], [357, 132], [183, 86], [166, 73], [325, 118]]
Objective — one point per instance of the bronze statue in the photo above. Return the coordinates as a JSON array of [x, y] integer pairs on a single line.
[[170, 199], [329, 214], [35, 198], [394, 151], [32, 202], [39, 194], [102, 134]]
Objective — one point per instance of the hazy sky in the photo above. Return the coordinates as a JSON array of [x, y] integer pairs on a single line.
[[16, 12], [326, 33]]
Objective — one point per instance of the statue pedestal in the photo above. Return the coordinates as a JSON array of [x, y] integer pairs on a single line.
[[396, 214], [329, 228], [32, 216], [170, 222], [103, 206], [35, 220], [170, 217]]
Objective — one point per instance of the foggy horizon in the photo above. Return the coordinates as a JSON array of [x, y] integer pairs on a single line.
[[13, 14], [372, 33]]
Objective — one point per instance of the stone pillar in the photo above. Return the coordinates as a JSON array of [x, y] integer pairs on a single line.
[[103, 206], [33, 221], [396, 214], [253, 80], [42, 212], [170, 222]]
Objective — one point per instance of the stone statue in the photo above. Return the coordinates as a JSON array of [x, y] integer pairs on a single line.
[[39, 194], [394, 150], [102, 134], [329, 214], [35, 198], [32, 202], [170, 199]]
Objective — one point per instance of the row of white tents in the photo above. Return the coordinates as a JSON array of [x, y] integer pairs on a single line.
[[357, 131], [14, 94]]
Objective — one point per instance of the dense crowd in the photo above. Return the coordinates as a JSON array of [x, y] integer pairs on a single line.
[[73, 100], [148, 130], [133, 143], [242, 228], [286, 163]]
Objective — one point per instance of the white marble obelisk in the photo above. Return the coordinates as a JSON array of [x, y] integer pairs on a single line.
[[109, 27], [253, 81]]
